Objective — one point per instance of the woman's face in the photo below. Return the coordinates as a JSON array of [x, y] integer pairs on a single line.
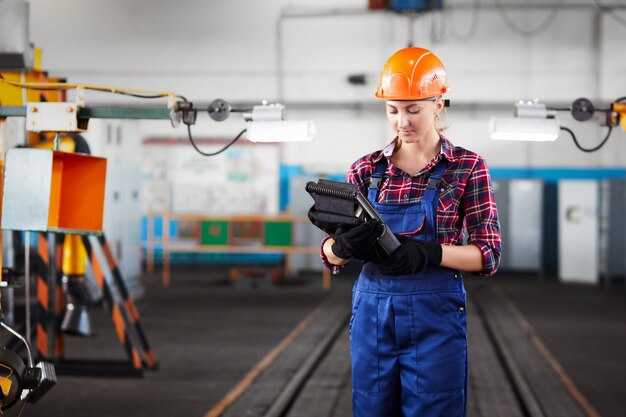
[[413, 120]]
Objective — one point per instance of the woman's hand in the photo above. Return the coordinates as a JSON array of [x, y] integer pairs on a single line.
[[411, 257], [356, 241]]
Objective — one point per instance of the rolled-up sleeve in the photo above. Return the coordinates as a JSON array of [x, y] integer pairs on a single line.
[[481, 216]]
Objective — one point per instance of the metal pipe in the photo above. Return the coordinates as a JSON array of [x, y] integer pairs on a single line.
[[27, 282], [279, 57], [8, 245], [369, 105], [304, 13], [547, 5], [294, 12], [289, 12], [19, 336]]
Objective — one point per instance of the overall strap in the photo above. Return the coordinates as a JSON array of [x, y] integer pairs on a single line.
[[376, 179], [434, 181]]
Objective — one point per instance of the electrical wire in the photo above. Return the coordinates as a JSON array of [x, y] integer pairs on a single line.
[[411, 17], [609, 10], [212, 153], [24, 401], [606, 138], [528, 32], [437, 27], [146, 94], [473, 25], [66, 86], [138, 95]]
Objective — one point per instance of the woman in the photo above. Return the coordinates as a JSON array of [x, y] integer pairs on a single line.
[[408, 326]]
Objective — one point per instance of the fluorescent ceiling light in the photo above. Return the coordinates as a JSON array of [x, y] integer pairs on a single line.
[[524, 128], [266, 112], [281, 131]]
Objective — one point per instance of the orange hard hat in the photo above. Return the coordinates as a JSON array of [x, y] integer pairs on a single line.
[[412, 74]]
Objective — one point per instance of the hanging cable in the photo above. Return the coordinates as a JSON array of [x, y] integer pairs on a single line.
[[609, 10], [213, 153], [437, 27], [473, 25], [411, 29], [66, 86], [124, 93], [606, 138], [528, 32]]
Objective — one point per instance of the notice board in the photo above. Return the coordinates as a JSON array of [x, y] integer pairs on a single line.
[[242, 180]]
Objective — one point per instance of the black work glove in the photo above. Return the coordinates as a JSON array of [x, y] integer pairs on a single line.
[[329, 222], [328, 213], [411, 257], [375, 254], [355, 241]]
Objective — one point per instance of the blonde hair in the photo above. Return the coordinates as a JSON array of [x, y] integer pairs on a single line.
[[441, 121]]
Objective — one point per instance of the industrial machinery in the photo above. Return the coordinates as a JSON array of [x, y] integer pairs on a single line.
[[53, 191], [403, 6], [19, 380], [534, 121]]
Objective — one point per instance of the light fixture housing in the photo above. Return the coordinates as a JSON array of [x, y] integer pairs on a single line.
[[266, 123], [281, 131], [266, 112], [532, 122], [525, 129]]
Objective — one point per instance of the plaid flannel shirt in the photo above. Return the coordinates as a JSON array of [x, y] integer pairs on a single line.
[[466, 198]]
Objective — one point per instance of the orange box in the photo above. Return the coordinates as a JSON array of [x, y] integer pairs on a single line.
[[53, 191]]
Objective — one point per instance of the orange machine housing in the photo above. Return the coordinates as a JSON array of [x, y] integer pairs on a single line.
[[77, 192], [53, 191]]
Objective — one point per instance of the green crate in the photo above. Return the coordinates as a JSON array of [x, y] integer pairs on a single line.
[[214, 233], [278, 234]]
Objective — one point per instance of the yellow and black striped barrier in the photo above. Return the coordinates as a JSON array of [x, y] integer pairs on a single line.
[[51, 302], [50, 343], [42, 299], [115, 308], [133, 313]]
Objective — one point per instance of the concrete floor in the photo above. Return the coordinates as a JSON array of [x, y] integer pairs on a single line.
[[585, 330], [208, 334]]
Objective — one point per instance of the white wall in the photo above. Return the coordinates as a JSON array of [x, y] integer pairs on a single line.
[[231, 49]]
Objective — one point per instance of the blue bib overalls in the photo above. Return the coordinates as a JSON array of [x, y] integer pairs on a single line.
[[408, 333]]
